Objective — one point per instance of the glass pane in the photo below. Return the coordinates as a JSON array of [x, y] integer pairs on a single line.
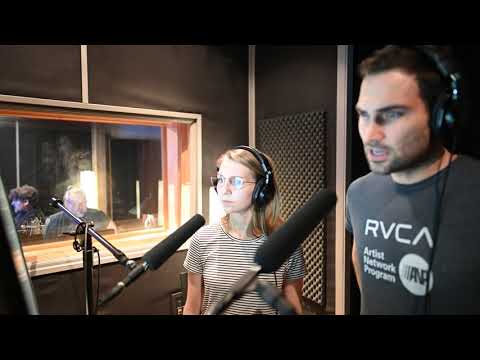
[[7, 153], [53, 154], [126, 178]]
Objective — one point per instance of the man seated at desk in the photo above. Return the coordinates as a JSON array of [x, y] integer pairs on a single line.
[[24, 200], [75, 201]]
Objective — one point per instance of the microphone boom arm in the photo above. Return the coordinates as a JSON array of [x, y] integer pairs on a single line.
[[156, 256], [119, 255]]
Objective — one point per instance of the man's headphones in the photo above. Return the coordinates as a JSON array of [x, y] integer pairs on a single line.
[[264, 190], [445, 113]]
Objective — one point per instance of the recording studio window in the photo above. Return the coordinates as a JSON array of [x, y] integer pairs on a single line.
[[136, 174]]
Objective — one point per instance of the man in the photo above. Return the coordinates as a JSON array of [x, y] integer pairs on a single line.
[[24, 200], [414, 218], [75, 201]]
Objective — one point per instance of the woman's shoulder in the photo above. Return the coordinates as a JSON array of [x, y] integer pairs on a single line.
[[209, 231], [274, 227]]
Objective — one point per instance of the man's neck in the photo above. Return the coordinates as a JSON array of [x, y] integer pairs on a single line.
[[425, 170]]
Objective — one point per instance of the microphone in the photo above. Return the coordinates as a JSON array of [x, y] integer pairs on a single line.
[[273, 297], [281, 244], [156, 256]]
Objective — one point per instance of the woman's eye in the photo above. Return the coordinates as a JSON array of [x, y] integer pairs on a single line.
[[237, 181]]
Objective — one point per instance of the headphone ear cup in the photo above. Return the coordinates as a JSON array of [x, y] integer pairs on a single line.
[[214, 183], [258, 195], [439, 112], [452, 113]]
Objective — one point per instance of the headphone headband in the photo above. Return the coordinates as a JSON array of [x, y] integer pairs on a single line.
[[264, 190], [444, 66], [446, 110], [262, 159]]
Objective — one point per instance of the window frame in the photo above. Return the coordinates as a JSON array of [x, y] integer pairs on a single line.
[[59, 256]]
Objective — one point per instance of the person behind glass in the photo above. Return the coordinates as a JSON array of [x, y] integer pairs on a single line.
[[75, 201], [414, 218], [24, 200], [219, 254]]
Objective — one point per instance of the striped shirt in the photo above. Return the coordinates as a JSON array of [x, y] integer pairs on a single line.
[[222, 259]]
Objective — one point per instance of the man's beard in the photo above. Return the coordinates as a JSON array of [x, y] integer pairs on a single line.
[[433, 152]]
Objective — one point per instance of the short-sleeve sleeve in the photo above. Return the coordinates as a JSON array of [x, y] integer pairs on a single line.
[[193, 261], [348, 223], [296, 268]]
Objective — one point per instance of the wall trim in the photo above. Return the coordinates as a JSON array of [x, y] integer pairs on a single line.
[[96, 107], [17, 151], [251, 95], [341, 265], [84, 69]]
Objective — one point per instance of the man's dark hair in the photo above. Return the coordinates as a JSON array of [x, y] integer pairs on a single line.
[[412, 61], [25, 192]]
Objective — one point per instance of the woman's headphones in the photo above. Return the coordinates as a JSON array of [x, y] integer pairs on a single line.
[[264, 190]]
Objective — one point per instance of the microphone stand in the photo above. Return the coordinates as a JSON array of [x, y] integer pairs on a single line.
[[88, 269], [87, 249], [273, 297]]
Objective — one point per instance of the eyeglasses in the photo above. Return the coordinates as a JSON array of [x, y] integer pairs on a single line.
[[236, 181]]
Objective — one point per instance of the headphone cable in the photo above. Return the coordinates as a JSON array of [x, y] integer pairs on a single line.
[[436, 225]]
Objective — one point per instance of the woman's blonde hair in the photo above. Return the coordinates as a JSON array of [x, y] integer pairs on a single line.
[[267, 218]]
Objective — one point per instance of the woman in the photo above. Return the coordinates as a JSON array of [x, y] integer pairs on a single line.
[[220, 254]]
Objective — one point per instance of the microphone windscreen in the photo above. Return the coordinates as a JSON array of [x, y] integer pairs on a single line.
[[167, 247], [284, 241]]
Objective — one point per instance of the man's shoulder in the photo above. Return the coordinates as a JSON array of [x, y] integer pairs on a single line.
[[55, 217], [366, 182], [468, 162], [95, 213]]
